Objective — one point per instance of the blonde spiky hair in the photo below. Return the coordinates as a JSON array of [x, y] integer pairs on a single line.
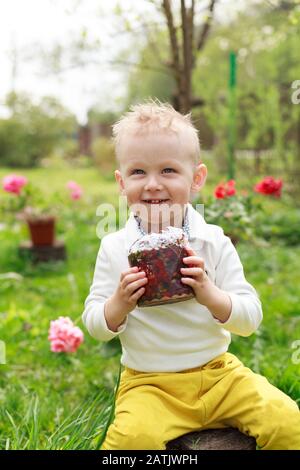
[[154, 116]]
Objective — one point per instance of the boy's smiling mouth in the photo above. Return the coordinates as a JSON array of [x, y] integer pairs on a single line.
[[155, 201]]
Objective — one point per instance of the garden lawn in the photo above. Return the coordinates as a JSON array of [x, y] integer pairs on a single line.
[[40, 389]]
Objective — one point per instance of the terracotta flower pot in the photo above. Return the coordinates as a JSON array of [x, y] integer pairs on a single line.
[[42, 231]]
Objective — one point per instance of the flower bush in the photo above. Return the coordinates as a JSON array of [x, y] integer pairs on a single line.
[[242, 215], [269, 186], [29, 201], [235, 213], [64, 336], [224, 190]]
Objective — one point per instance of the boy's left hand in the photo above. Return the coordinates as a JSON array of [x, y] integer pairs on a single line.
[[206, 292], [198, 279]]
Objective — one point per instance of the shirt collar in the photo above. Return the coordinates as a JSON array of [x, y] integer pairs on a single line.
[[197, 225]]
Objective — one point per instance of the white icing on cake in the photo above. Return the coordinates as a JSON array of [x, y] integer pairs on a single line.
[[155, 241]]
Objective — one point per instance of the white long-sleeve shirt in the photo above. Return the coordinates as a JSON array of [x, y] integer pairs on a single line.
[[183, 335]]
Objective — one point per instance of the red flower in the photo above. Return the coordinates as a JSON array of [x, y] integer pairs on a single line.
[[269, 186], [224, 190]]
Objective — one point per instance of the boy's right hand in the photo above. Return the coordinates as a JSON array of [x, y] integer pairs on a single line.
[[130, 289]]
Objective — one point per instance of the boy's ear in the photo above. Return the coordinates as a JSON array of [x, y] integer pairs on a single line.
[[120, 181], [199, 178]]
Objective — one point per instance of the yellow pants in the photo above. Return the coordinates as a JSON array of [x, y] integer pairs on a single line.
[[154, 408]]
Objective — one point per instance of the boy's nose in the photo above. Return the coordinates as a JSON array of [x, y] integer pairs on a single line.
[[152, 183]]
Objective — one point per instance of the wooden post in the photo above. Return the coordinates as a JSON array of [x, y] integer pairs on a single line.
[[232, 116], [37, 254]]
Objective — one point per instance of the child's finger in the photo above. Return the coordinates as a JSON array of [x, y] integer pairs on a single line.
[[192, 271], [131, 277], [136, 295], [194, 260], [190, 281], [190, 251], [134, 269], [130, 288]]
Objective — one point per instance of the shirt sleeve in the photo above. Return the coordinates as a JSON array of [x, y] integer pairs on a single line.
[[246, 312], [101, 289]]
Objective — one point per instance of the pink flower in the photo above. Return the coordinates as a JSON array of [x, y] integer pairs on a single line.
[[269, 186], [64, 336], [76, 194], [224, 190], [76, 191], [72, 185], [14, 183]]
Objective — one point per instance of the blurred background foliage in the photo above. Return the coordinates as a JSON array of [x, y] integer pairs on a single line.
[[266, 40]]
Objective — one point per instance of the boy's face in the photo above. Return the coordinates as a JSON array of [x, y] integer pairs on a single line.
[[157, 172]]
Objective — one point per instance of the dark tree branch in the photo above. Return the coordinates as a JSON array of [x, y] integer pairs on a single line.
[[185, 35], [142, 66], [75, 65], [135, 31], [197, 102], [191, 16], [173, 38], [206, 27]]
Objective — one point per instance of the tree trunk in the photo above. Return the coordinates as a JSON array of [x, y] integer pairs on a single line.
[[183, 52]]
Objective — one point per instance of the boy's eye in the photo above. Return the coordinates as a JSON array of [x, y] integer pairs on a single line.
[[169, 170], [138, 171]]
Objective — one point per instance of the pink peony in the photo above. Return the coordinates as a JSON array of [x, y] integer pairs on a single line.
[[76, 191], [64, 336], [72, 185], [76, 194], [14, 183], [269, 186]]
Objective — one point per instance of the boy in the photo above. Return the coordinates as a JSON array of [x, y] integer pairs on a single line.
[[178, 375]]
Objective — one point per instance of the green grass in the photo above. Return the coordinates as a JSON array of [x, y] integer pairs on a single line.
[[56, 401], [274, 271], [28, 302]]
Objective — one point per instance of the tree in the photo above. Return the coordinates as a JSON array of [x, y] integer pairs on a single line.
[[187, 36], [184, 48]]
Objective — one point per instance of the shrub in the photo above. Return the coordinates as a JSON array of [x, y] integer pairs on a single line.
[[17, 147], [33, 131], [236, 215], [284, 226], [104, 155]]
